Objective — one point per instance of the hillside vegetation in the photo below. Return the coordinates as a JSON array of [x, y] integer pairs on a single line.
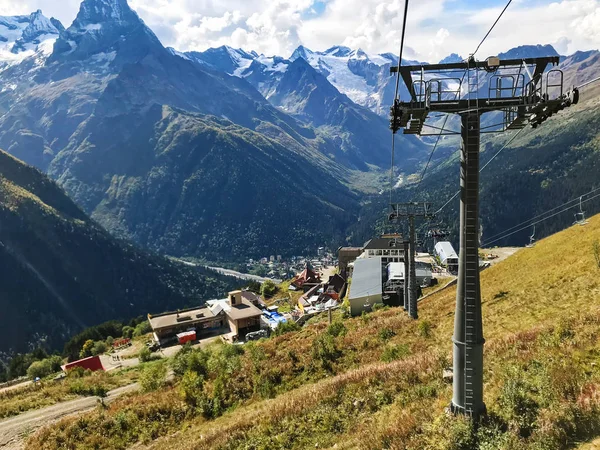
[[61, 272], [380, 375]]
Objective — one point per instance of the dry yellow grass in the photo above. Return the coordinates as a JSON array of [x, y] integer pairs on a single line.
[[524, 299]]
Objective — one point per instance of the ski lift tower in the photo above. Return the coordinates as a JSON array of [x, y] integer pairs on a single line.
[[410, 211], [523, 92]]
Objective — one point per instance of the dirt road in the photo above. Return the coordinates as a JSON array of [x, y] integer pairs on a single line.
[[15, 386], [14, 431]]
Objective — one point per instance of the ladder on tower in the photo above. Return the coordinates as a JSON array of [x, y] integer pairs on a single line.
[[471, 288]]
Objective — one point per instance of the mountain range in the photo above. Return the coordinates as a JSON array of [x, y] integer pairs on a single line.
[[222, 154], [178, 156]]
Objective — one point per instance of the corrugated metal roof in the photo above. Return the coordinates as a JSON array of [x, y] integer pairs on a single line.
[[366, 278], [445, 250]]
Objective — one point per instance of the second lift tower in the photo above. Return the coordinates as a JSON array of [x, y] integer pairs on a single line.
[[524, 93]]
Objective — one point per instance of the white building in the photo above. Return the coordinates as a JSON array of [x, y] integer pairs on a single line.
[[367, 285], [447, 255], [388, 247]]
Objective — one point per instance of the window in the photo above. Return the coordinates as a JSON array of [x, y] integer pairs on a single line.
[[379, 252], [371, 252]]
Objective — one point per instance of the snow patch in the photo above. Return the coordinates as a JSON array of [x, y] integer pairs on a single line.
[[93, 27], [243, 64], [270, 65]]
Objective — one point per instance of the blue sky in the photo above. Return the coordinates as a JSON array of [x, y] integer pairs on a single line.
[[436, 28]]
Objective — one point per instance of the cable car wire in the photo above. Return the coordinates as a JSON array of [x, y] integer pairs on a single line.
[[490, 30], [513, 137], [396, 96], [543, 214], [539, 221], [401, 49]]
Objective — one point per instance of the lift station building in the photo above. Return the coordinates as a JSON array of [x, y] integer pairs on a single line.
[[367, 285]]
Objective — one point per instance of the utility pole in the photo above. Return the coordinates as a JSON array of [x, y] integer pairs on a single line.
[[521, 102], [410, 211]]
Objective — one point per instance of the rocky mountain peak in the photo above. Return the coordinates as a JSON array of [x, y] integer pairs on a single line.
[[99, 11], [452, 58], [301, 52], [20, 34], [110, 28]]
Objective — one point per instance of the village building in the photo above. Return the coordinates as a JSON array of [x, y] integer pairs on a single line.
[[447, 255], [307, 279], [387, 247], [347, 255], [234, 317], [202, 321], [367, 285], [241, 311]]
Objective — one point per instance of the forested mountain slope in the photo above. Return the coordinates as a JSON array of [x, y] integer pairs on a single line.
[[61, 272]]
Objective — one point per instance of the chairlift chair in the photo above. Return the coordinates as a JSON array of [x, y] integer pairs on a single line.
[[580, 216], [531, 239]]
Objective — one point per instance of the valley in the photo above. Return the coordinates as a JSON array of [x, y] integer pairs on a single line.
[[224, 229]]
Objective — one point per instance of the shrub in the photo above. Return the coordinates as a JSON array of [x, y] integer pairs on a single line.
[[191, 389], [286, 327], [81, 387], [128, 332], [424, 328], [99, 348], [324, 352], [190, 359], [45, 367], [110, 341], [268, 289], [142, 329], [337, 328], [86, 350], [517, 406], [394, 352], [450, 433], [385, 334], [146, 355], [153, 376]]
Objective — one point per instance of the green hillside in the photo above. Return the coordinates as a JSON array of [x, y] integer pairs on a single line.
[[61, 272], [376, 381]]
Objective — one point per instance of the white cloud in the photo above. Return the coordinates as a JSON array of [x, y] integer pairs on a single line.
[[435, 29]]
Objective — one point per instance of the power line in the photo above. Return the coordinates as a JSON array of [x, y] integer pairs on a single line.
[[440, 133], [514, 136], [458, 94], [401, 49], [588, 82], [541, 220], [543, 214], [396, 96], [488, 33]]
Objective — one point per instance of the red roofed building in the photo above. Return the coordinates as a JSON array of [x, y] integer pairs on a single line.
[[93, 363], [307, 279]]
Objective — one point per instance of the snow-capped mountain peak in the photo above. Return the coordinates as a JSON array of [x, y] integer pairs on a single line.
[[24, 36], [106, 33], [98, 11]]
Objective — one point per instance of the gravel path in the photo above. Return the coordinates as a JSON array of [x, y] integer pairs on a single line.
[[14, 430]]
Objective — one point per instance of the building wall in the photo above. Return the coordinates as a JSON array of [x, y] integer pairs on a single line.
[[200, 326], [357, 305]]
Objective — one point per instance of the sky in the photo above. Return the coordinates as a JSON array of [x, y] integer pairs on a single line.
[[436, 28]]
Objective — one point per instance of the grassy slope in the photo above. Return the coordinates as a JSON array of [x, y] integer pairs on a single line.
[[541, 321]]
